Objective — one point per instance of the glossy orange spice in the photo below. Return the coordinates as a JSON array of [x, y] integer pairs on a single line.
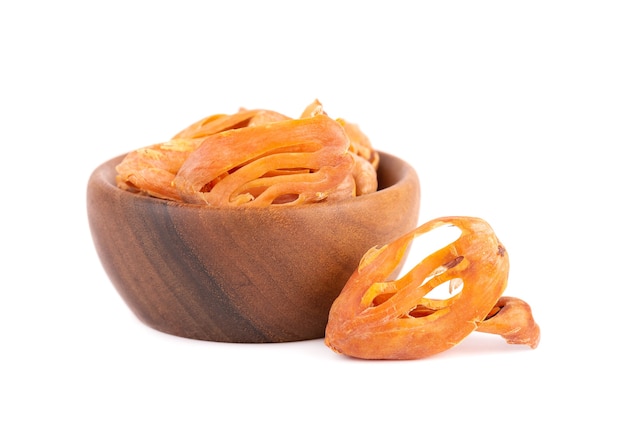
[[256, 158], [378, 318]]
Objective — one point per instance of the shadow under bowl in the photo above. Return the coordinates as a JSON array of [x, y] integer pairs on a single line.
[[247, 275]]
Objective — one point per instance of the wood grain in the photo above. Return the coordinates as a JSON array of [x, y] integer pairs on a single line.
[[241, 274]]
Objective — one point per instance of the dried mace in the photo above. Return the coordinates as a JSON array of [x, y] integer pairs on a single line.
[[375, 317]]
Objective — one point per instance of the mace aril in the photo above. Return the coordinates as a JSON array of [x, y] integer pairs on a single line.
[[378, 318], [287, 162], [256, 158]]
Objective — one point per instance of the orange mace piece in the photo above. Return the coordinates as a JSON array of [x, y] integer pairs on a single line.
[[152, 169], [288, 162], [223, 122], [377, 318]]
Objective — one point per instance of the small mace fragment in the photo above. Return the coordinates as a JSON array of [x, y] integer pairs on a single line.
[[378, 318]]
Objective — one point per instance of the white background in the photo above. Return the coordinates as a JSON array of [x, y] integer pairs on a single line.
[[510, 111]]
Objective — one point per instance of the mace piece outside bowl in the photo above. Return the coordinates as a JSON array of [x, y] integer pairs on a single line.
[[248, 275]]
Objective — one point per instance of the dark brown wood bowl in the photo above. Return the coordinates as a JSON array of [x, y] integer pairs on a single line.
[[249, 275]]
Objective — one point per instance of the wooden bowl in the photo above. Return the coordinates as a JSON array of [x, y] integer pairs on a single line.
[[242, 275]]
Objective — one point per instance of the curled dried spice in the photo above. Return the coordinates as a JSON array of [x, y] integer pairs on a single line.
[[256, 158], [377, 318], [366, 158], [151, 170], [288, 162], [512, 319], [223, 122]]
